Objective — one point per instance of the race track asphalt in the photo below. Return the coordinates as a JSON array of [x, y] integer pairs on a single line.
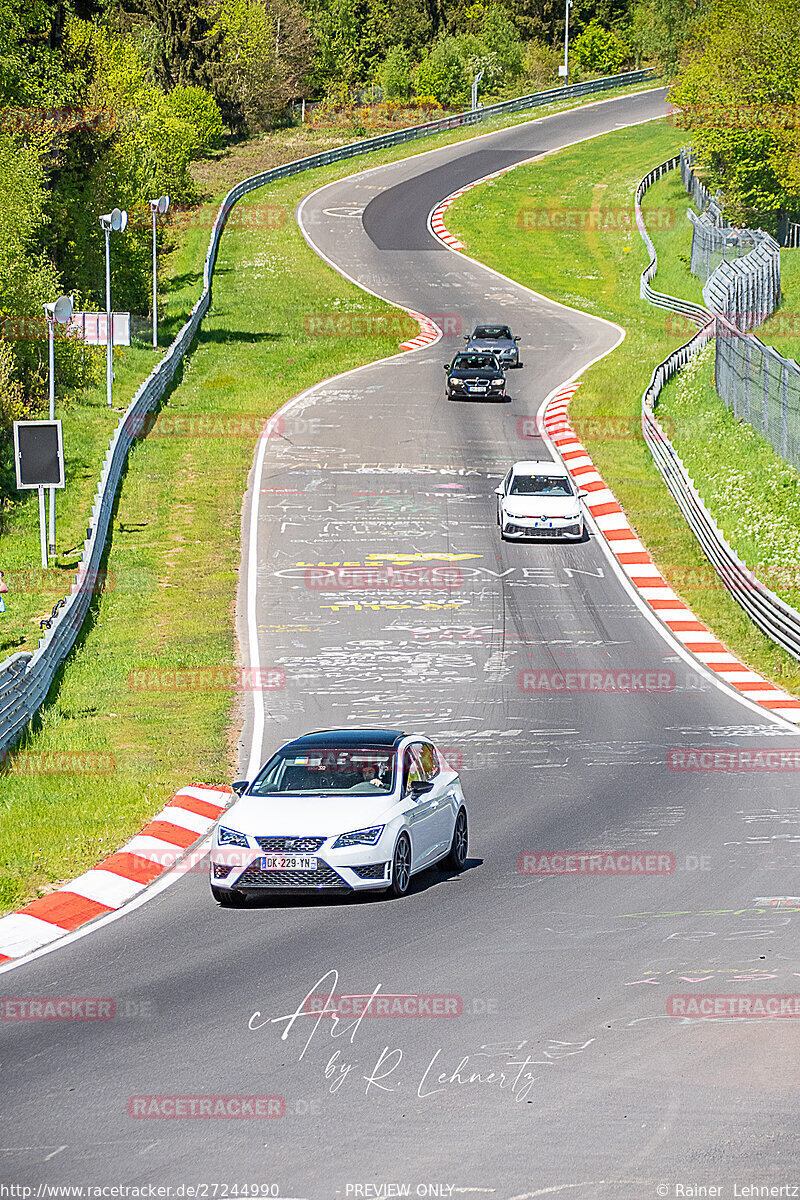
[[562, 1072]]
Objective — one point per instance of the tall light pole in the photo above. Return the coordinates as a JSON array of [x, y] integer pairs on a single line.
[[565, 69], [157, 208], [116, 220], [60, 312], [475, 83]]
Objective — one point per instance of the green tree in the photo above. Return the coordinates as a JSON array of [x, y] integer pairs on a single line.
[[443, 73], [265, 58], [739, 90], [659, 29], [599, 49], [499, 33], [394, 74]]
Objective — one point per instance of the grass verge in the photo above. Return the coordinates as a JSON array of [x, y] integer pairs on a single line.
[[596, 268]]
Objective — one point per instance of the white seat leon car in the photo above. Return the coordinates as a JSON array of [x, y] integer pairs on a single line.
[[539, 500], [342, 810]]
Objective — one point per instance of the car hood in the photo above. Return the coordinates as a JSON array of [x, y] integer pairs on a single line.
[[306, 816], [542, 506]]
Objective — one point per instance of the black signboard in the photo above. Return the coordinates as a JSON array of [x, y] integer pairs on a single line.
[[38, 454]]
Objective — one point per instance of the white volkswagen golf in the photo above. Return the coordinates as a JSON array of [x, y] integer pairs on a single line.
[[539, 500], [341, 810]]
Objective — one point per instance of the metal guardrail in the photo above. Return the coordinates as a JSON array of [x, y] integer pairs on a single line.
[[742, 267], [694, 312], [25, 679], [773, 616]]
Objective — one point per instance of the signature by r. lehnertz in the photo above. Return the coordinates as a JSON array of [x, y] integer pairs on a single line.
[[517, 1075]]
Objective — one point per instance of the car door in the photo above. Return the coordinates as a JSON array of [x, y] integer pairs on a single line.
[[443, 801], [501, 493], [423, 816]]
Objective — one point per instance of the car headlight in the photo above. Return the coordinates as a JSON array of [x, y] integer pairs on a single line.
[[360, 837], [231, 837], [497, 382], [457, 382]]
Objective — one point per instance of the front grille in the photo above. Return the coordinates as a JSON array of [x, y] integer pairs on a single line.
[[221, 871], [284, 845], [324, 877], [535, 533], [371, 871]]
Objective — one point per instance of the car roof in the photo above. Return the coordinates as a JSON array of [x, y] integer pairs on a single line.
[[489, 324], [346, 737], [537, 466]]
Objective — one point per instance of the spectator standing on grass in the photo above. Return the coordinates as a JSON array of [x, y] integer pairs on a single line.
[[3, 589]]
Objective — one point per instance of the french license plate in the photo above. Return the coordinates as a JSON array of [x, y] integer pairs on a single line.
[[480, 390], [288, 862]]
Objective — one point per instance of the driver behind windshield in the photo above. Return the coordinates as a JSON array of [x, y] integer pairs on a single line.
[[329, 770]]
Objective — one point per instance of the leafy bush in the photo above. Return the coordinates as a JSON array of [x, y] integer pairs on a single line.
[[540, 65], [394, 74], [197, 108], [599, 49], [443, 73]]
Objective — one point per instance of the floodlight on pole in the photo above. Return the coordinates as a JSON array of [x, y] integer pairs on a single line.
[[475, 83], [113, 222], [57, 313], [157, 208], [565, 70]]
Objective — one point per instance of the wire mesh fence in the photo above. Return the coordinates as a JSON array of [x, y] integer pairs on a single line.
[[742, 267], [761, 386]]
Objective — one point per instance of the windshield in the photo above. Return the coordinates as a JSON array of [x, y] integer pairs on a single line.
[[474, 362], [492, 333], [368, 770], [539, 485]]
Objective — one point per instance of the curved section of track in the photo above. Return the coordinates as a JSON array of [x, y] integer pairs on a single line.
[[558, 1068]]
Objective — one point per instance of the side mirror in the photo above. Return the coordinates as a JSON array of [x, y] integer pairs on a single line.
[[499, 491], [582, 495], [420, 787], [516, 339], [241, 786], [466, 339], [447, 366]]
